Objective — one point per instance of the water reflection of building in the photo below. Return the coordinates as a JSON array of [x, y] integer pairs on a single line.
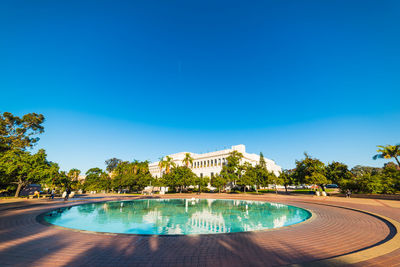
[[280, 221], [205, 221]]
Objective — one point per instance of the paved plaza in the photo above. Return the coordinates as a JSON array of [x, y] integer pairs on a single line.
[[341, 232]]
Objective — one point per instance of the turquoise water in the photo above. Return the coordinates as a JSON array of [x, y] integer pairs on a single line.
[[177, 216]]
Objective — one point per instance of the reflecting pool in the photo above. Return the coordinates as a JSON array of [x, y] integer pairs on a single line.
[[177, 216]]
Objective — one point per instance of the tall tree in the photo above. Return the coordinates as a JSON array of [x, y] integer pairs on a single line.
[[231, 171], [249, 177], [19, 133], [275, 180], [388, 152], [262, 162], [338, 173], [73, 174], [179, 177], [201, 182], [286, 178], [111, 164], [166, 163], [24, 168], [218, 181], [310, 171], [187, 160], [97, 179]]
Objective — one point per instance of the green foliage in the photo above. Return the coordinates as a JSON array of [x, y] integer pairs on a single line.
[[232, 170], [21, 168], [96, 180], [310, 171], [18, 133], [132, 175], [249, 177], [166, 163], [188, 160], [179, 177], [374, 180], [338, 173], [111, 164], [218, 181], [286, 178], [388, 152], [202, 183], [359, 170]]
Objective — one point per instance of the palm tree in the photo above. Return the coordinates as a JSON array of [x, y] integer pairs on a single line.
[[161, 165], [73, 174], [187, 160], [388, 152], [166, 163]]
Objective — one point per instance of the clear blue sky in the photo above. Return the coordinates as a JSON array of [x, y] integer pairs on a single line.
[[141, 79]]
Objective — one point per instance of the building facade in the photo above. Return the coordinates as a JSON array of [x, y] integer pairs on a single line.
[[210, 164]]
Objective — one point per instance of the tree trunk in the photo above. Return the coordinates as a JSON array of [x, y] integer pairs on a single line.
[[286, 188], [398, 162], [276, 190], [244, 189], [257, 189], [322, 187], [18, 189]]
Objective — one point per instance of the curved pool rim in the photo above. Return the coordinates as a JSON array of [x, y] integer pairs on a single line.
[[40, 219]]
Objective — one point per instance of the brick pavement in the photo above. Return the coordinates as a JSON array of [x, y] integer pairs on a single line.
[[333, 231]]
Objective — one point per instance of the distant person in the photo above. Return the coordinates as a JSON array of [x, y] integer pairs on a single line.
[[68, 191], [53, 192], [348, 193]]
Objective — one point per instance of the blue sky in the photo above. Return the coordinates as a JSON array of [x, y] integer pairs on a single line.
[[141, 79]]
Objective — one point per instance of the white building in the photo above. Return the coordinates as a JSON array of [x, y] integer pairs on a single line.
[[210, 164]]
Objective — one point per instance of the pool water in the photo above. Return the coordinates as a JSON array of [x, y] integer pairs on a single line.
[[177, 216]]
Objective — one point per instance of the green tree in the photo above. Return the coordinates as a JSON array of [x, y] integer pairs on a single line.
[[232, 170], [390, 178], [275, 180], [23, 168], [201, 182], [73, 176], [187, 160], [97, 179], [111, 164], [359, 170], [338, 173], [166, 163], [310, 171], [286, 178], [249, 177], [180, 177], [132, 175], [388, 152], [262, 173], [19, 133], [219, 182]]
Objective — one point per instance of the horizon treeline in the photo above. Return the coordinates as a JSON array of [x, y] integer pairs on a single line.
[[19, 168]]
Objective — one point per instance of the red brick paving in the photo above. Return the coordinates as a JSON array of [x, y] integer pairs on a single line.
[[333, 231]]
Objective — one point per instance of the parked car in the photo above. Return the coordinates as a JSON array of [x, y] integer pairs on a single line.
[[332, 186]]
